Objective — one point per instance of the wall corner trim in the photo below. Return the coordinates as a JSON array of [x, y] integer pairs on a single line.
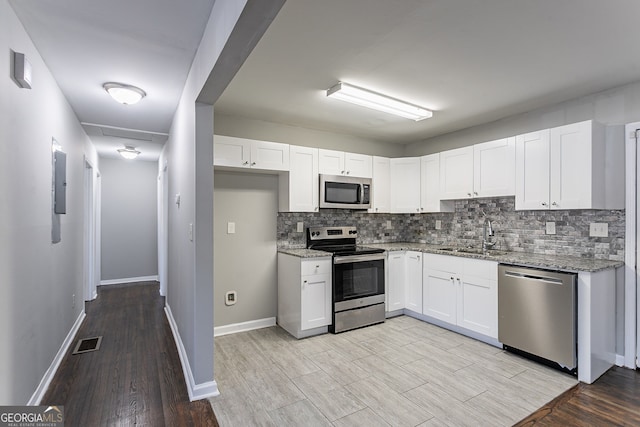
[[196, 391], [244, 326], [37, 396]]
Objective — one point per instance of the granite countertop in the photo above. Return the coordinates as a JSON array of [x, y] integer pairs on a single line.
[[553, 262], [524, 259]]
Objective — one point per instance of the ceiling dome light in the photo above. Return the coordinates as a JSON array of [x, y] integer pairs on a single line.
[[124, 94], [128, 152]]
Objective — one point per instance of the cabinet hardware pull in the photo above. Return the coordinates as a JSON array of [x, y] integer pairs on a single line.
[[554, 204], [245, 163], [469, 194], [475, 193], [342, 173], [253, 163], [451, 278], [544, 203]]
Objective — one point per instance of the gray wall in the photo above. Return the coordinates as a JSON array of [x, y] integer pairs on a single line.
[[38, 279], [266, 131], [129, 218], [614, 107], [245, 261]]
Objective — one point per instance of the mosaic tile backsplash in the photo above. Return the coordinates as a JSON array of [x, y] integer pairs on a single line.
[[522, 231]]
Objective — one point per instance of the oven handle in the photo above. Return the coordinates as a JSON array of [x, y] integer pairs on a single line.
[[358, 258]]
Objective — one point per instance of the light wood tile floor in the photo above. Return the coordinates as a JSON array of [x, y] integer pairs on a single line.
[[401, 372]]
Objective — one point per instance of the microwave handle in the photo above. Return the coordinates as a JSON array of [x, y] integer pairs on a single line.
[[361, 195]]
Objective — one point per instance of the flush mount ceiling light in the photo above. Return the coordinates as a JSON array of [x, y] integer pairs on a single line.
[[124, 94], [377, 101], [128, 152]]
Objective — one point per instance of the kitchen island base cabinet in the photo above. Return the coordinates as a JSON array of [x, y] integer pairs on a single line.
[[304, 295]]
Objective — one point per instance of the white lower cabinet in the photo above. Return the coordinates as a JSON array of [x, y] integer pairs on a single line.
[[462, 292], [395, 280], [404, 277], [413, 281], [304, 295]]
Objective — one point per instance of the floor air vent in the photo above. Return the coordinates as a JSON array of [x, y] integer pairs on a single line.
[[86, 345]]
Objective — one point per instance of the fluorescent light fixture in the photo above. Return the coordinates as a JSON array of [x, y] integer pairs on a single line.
[[124, 94], [128, 152], [376, 101]]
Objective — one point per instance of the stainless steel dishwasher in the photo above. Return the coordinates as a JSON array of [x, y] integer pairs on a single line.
[[537, 313]]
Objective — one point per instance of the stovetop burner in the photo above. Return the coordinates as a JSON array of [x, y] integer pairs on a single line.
[[337, 240]]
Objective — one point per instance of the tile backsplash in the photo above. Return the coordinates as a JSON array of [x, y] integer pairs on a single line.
[[522, 231]]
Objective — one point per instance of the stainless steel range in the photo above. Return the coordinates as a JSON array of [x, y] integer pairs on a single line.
[[358, 277]]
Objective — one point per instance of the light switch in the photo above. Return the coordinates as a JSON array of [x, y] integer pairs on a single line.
[[231, 228], [300, 227], [438, 224], [388, 224]]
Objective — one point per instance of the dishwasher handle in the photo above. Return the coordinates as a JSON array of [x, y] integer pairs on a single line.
[[538, 278]]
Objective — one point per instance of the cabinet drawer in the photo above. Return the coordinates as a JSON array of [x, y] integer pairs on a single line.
[[316, 266], [448, 263], [481, 268]]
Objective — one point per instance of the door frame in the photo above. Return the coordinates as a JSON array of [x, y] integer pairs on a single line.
[[91, 258], [163, 228], [632, 210]]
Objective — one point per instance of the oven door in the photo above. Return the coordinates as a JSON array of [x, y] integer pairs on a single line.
[[358, 281]]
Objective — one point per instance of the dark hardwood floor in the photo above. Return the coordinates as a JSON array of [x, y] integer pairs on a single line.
[[613, 400], [135, 378]]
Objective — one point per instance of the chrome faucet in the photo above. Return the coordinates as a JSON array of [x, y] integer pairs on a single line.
[[487, 233]]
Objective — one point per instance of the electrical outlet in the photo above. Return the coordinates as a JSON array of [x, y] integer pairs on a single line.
[[551, 227], [438, 224], [231, 228], [300, 227], [599, 229], [230, 298], [388, 224]]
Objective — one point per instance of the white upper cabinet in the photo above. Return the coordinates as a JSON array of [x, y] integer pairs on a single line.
[[249, 153], [381, 193], [569, 167], [494, 168], [299, 189], [456, 173], [405, 185], [532, 165], [481, 170], [430, 186], [333, 162]]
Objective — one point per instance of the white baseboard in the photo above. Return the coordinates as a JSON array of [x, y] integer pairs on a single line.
[[129, 280], [620, 360], [244, 326], [196, 391], [37, 396]]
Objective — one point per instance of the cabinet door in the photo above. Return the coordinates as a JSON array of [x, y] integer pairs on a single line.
[[439, 295], [380, 198], [359, 165], [413, 281], [430, 183], [477, 307], [532, 170], [571, 166], [331, 162], [396, 280], [456, 173], [303, 179], [230, 151], [494, 168], [315, 301], [269, 155], [405, 185]]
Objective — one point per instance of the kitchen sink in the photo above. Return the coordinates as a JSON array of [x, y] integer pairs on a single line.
[[473, 251]]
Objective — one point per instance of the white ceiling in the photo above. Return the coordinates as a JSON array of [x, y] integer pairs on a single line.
[[146, 43], [470, 61]]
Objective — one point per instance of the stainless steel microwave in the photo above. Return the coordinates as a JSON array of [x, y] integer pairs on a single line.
[[345, 192]]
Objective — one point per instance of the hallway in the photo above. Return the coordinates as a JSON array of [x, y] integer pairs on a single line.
[[135, 378]]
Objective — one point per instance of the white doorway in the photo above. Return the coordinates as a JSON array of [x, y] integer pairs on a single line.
[[632, 240], [163, 231], [91, 235]]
